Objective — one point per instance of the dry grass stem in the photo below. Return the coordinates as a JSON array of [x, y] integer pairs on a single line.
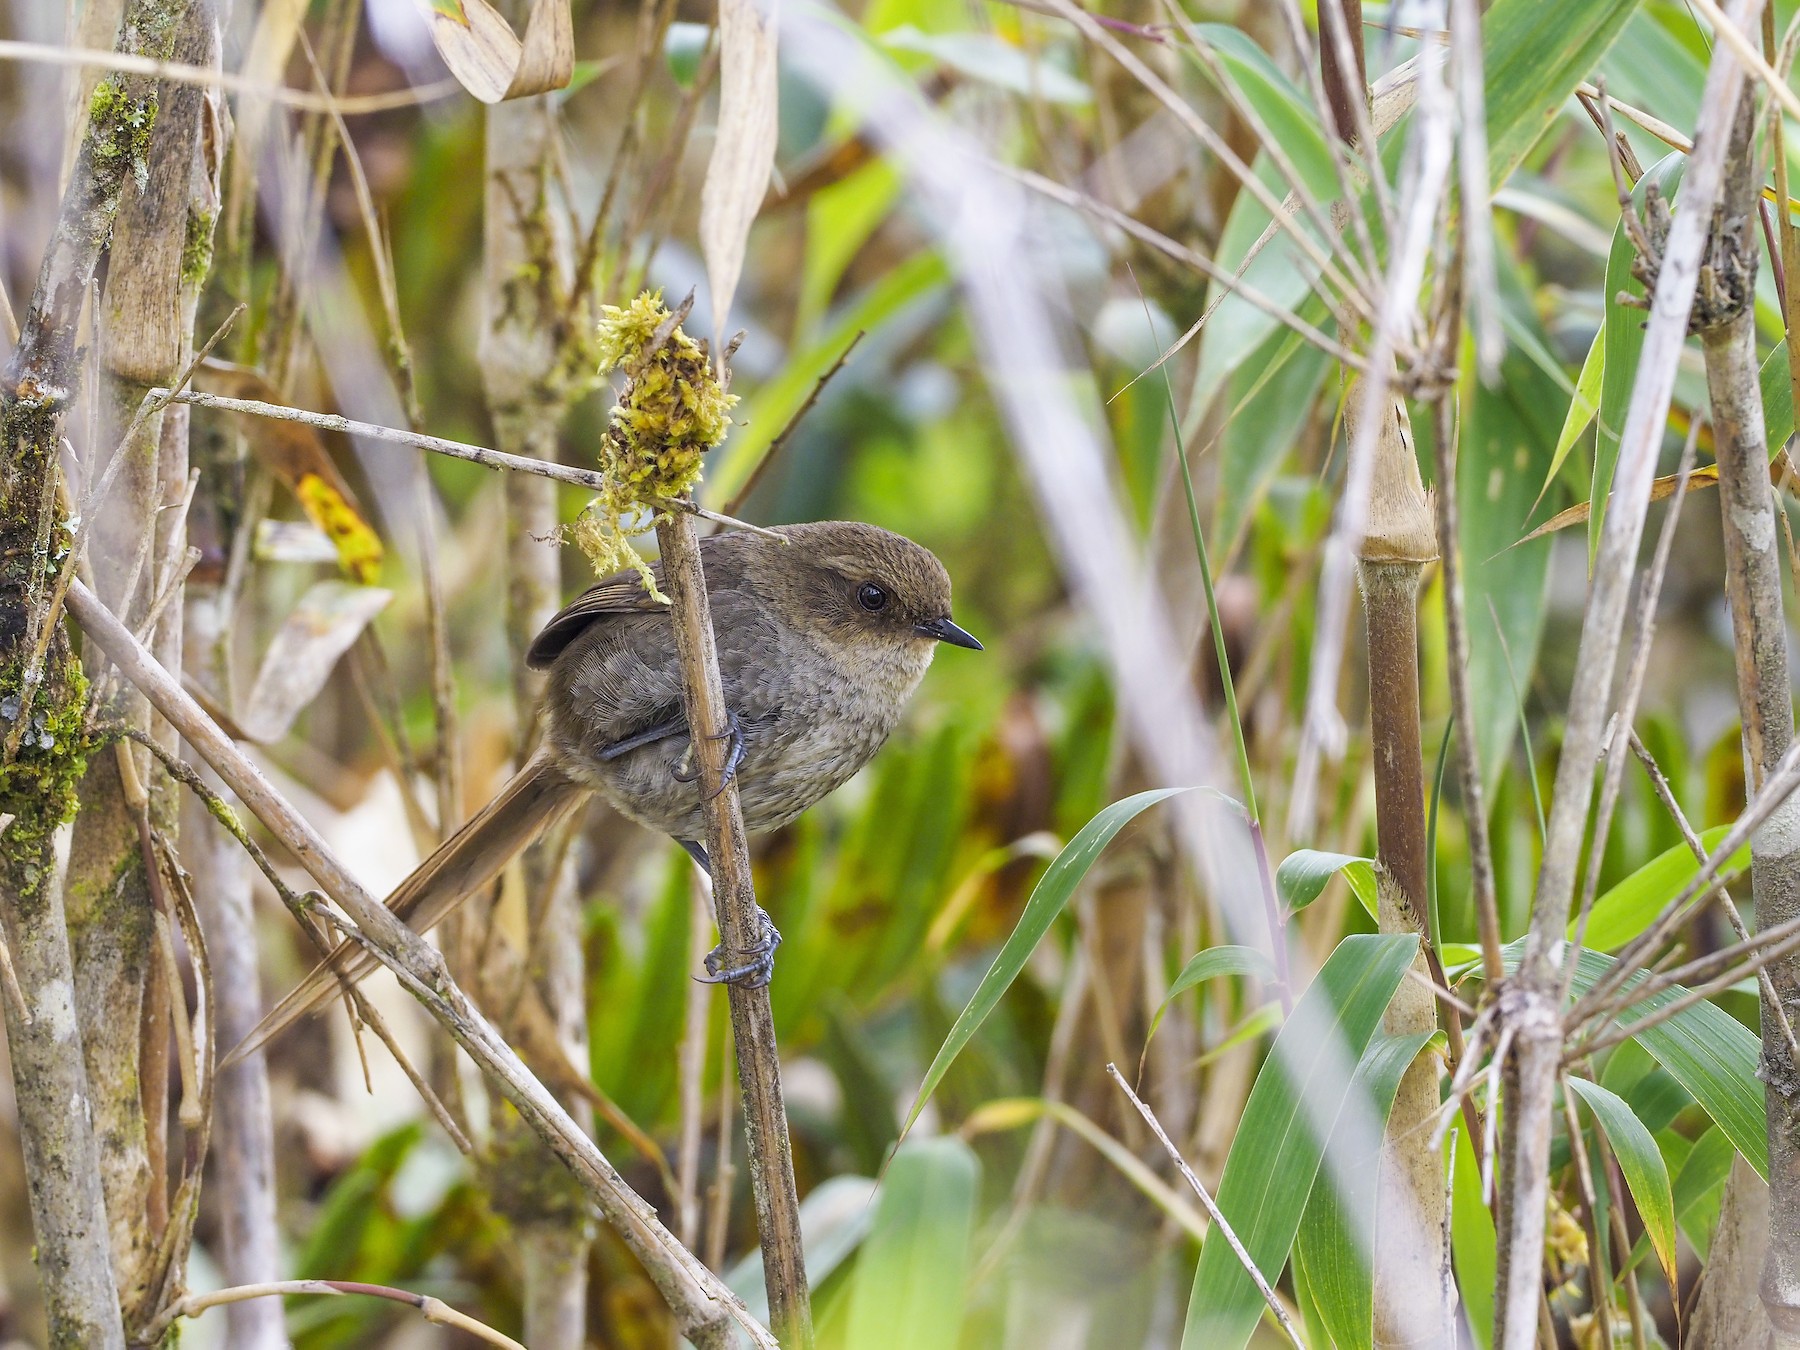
[[1220, 1224]]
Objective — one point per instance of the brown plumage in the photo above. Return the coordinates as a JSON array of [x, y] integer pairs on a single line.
[[821, 641]]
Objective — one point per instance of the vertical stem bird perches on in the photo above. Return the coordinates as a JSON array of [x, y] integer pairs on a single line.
[[672, 410], [740, 929]]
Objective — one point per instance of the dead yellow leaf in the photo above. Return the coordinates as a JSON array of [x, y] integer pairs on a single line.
[[293, 452]]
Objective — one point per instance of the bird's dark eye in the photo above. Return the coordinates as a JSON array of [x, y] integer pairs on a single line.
[[870, 596]]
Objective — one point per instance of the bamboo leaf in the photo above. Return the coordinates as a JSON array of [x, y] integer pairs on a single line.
[[1628, 908], [1303, 874], [1274, 1156], [1709, 1052], [1047, 900], [1534, 54], [1646, 1175], [911, 1276], [1342, 1205], [1209, 965], [1472, 1244], [1582, 407]]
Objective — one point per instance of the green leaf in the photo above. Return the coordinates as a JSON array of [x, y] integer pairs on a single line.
[[1472, 1244], [1709, 1052], [1624, 328], [840, 218], [1646, 1175], [1581, 408], [765, 413], [1047, 900], [1327, 1245], [1628, 908], [1504, 437], [911, 1278], [1286, 111], [1268, 401], [1208, 965], [1274, 1156], [1302, 876], [1534, 54], [1777, 397], [1699, 1179]]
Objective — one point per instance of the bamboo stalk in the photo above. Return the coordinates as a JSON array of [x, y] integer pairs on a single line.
[[1528, 1005], [740, 929], [1753, 586]]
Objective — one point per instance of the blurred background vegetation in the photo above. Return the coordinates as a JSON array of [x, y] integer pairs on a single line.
[[895, 894]]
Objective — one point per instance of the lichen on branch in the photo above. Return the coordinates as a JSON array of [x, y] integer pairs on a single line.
[[672, 410]]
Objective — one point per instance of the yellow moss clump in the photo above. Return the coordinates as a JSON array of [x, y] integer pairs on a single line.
[[672, 411]]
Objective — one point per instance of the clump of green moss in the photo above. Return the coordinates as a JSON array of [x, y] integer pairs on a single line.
[[672, 410], [38, 789], [119, 126], [197, 248]]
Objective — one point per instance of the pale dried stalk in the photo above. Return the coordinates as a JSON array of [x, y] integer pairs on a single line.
[[433, 1309], [1748, 508], [740, 930], [180, 72], [703, 1306], [1530, 1007], [1206, 1200]]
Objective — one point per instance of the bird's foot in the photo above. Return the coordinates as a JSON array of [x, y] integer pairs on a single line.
[[734, 757], [752, 967]]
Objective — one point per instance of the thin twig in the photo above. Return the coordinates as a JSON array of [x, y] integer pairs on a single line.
[[177, 72], [1212, 1209], [305, 912], [1462, 698], [434, 1309], [1626, 713], [1666, 795], [739, 497]]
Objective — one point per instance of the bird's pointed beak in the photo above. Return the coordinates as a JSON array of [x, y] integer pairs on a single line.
[[945, 631]]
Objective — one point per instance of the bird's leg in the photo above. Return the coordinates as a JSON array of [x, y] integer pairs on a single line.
[[756, 968], [759, 968], [734, 731]]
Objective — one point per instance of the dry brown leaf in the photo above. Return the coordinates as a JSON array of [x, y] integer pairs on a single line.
[[319, 630], [737, 175], [488, 59], [1705, 477], [293, 452]]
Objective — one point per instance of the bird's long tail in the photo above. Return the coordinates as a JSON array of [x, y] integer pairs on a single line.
[[530, 802]]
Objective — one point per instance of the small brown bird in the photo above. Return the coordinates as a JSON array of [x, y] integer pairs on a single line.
[[821, 641]]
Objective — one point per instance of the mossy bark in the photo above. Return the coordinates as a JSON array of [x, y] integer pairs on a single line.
[[38, 787], [146, 331]]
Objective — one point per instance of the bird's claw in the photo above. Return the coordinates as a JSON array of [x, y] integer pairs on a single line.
[[734, 757], [753, 967]]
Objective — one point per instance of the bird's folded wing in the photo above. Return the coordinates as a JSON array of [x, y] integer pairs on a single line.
[[534, 798]]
